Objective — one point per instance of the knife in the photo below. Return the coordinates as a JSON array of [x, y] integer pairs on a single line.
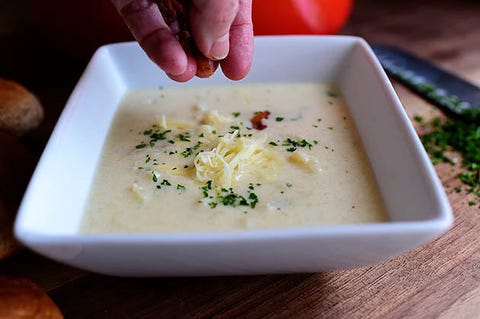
[[453, 95]]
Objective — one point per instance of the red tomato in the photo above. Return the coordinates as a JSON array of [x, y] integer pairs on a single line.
[[299, 16]]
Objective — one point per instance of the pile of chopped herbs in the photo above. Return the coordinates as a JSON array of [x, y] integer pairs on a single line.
[[448, 135]]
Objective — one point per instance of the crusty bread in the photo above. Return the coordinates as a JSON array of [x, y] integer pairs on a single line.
[[20, 110], [21, 298]]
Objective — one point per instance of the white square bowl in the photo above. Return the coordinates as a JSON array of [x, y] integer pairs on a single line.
[[418, 209]]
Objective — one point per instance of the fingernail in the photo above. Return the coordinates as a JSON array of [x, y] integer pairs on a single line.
[[220, 47]]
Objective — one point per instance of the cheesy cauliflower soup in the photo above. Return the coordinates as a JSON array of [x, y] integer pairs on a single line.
[[229, 158]]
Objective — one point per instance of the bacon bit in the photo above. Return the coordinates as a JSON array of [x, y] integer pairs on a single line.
[[257, 120]]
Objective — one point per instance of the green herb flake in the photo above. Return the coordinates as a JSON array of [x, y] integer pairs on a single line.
[[165, 182], [141, 145], [180, 187], [418, 119], [191, 150], [184, 137], [273, 144], [472, 203], [331, 93], [236, 114], [279, 119]]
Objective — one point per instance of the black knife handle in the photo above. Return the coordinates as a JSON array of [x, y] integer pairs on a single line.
[[455, 96]]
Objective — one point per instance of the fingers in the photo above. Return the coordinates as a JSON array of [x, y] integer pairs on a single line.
[[188, 74], [149, 28], [222, 30], [211, 21], [238, 62]]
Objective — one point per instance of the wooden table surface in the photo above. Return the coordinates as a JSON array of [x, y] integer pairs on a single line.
[[438, 280]]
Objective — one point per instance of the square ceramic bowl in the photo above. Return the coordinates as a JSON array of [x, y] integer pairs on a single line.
[[50, 214]]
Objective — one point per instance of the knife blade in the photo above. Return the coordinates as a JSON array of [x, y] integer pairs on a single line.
[[455, 96]]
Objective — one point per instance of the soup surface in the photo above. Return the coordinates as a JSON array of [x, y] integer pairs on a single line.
[[232, 158]]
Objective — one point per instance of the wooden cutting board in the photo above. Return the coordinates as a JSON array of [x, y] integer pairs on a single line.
[[438, 280]]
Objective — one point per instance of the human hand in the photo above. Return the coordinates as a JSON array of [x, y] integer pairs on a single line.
[[222, 30]]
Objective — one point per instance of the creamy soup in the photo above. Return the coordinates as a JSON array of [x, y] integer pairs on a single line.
[[232, 158]]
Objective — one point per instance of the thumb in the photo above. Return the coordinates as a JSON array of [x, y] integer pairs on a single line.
[[211, 21]]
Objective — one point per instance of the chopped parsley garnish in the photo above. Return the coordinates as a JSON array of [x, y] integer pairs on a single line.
[[292, 145], [165, 182], [228, 197], [236, 114], [180, 187], [184, 137], [418, 119], [279, 119], [330, 93], [289, 185], [190, 150], [205, 189], [273, 144], [445, 136], [155, 135], [154, 177]]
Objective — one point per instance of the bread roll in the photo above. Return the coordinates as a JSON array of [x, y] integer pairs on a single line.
[[20, 110], [21, 298]]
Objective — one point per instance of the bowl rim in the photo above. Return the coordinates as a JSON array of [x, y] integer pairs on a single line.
[[437, 224]]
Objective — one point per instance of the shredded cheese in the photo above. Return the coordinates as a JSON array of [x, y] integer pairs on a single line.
[[231, 158]]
